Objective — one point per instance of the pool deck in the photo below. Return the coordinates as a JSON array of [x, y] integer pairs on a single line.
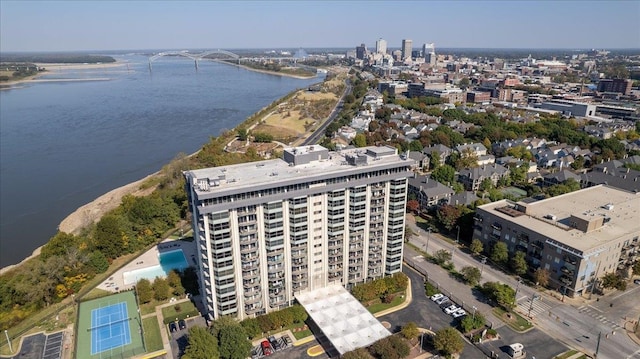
[[150, 258]]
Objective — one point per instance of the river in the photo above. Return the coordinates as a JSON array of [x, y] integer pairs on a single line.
[[63, 144]]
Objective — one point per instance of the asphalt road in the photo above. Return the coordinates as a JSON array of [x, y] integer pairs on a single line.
[[575, 323], [318, 133]]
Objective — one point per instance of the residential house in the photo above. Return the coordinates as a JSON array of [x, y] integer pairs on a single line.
[[422, 160], [443, 151], [465, 198], [559, 177], [429, 192], [471, 178]]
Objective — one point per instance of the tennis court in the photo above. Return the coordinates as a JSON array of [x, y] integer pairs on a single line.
[[109, 327]]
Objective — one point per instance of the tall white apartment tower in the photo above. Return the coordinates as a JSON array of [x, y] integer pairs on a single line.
[[407, 47], [268, 230], [381, 46]]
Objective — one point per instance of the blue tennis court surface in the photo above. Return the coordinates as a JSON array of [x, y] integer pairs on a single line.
[[109, 328]]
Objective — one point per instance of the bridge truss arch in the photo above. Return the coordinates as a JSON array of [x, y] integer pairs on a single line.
[[195, 57]]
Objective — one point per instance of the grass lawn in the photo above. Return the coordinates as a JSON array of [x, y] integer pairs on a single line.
[[152, 338], [96, 293], [277, 132], [186, 310], [291, 123], [378, 307], [569, 354], [516, 322]]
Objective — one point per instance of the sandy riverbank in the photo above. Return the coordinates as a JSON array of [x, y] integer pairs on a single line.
[[58, 68], [267, 71]]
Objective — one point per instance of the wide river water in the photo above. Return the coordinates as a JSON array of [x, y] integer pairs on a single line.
[[63, 144]]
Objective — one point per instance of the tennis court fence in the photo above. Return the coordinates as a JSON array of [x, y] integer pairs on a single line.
[[119, 353]]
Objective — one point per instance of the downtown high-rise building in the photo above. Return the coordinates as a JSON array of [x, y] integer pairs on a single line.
[[407, 47], [429, 53], [381, 46], [269, 230]]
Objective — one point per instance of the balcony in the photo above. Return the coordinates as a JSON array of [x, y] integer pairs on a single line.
[[299, 270], [538, 244], [253, 300], [567, 271], [494, 236], [497, 226], [570, 260], [535, 254], [250, 274], [298, 254], [337, 259], [252, 309], [566, 280], [247, 284]]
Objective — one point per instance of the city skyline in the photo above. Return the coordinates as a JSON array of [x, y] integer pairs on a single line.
[[109, 25]]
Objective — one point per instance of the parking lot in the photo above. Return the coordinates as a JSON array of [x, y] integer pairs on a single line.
[[41, 346], [178, 331], [271, 345]]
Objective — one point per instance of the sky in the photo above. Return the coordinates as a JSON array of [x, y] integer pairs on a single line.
[[136, 25]]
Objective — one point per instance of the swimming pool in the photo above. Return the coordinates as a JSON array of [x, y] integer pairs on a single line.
[[168, 260]]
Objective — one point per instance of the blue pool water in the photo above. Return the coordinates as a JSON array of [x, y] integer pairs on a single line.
[[168, 260]]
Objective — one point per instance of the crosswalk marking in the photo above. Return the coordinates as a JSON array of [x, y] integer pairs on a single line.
[[539, 306], [594, 313]]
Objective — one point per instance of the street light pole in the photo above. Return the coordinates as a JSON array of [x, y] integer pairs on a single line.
[[421, 339], [474, 312], [8, 341], [428, 238], [517, 288], [484, 260], [458, 235], [533, 297]]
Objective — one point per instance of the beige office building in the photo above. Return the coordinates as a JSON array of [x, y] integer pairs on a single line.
[[577, 236]]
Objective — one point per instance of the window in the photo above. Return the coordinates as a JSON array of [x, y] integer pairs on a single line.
[[557, 260]]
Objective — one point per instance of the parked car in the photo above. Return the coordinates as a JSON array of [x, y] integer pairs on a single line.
[[266, 348], [459, 313], [274, 343], [287, 340], [437, 296], [442, 299], [173, 327], [450, 309], [636, 281], [182, 324]]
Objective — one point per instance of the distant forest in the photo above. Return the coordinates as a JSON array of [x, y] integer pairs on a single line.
[[57, 58]]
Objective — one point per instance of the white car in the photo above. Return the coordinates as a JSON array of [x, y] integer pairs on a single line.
[[459, 313], [436, 296], [450, 309], [442, 299]]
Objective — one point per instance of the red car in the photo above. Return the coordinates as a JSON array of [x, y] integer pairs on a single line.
[[266, 348]]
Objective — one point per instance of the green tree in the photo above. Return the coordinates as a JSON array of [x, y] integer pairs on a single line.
[[144, 290], [444, 174], [112, 235], [457, 187], [476, 246], [360, 353], [415, 145], [201, 344], [464, 83], [175, 282], [360, 140], [541, 276], [467, 159], [232, 339], [434, 160], [471, 322], [447, 341], [410, 331], [502, 294], [500, 253], [486, 185], [613, 280], [161, 289], [58, 245], [471, 275], [519, 263], [251, 327], [442, 256], [98, 262], [636, 268], [299, 314], [448, 216], [242, 134]]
